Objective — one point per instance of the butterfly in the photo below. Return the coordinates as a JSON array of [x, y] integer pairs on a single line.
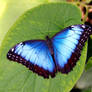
[[57, 54]]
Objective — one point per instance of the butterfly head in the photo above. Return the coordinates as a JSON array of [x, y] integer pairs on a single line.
[[47, 38]]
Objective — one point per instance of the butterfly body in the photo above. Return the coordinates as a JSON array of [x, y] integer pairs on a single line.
[[59, 53], [49, 44]]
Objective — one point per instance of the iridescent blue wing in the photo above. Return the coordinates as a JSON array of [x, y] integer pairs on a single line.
[[67, 45], [35, 55]]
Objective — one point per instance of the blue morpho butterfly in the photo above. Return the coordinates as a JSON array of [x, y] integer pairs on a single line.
[[60, 53]]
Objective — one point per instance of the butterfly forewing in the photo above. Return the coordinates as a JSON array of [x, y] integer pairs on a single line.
[[66, 46]]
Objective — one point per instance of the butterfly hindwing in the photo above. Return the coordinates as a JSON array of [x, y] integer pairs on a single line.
[[35, 55], [67, 45]]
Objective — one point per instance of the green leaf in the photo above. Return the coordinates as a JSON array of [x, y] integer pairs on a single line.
[[90, 47], [36, 24], [89, 64]]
